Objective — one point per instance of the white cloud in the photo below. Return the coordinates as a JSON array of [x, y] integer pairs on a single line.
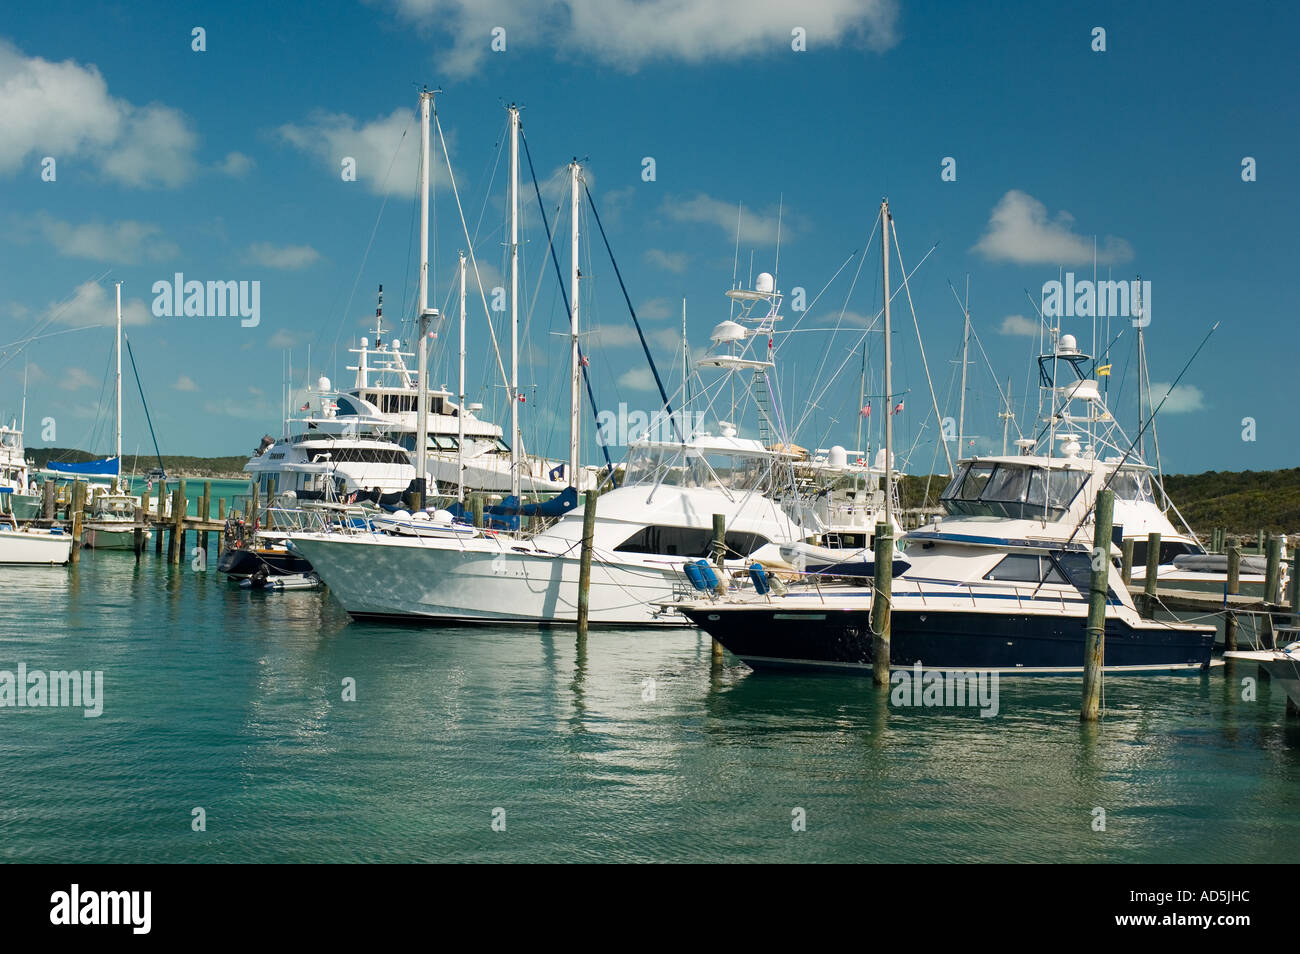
[[76, 379], [755, 228], [655, 309], [614, 336], [1185, 398], [287, 339], [627, 34], [64, 110], [637, 379], [331, 137], [93, 304], [1018, 325], [185, 383], [236, 164], [668, 261], [125, 242], [1020, 231], [280, 256]]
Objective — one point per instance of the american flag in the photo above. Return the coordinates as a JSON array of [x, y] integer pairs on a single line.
[[866, 411], [898, 408]]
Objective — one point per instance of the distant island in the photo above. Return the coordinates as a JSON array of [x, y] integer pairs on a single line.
[[217, 468]]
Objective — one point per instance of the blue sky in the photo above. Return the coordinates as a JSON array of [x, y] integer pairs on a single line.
[[224, 165]]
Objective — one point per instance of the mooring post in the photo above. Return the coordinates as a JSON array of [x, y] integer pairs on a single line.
[[78, 514], [1259, 547], [221, 508], [1153, 570], [584, 566], [1232, 589], [158, 520], [882, 599], [137, 532], [476, 509], [1293, 589], [1126, 567], [1094, 651], [1272, 570], [718, 549], [47, 499]]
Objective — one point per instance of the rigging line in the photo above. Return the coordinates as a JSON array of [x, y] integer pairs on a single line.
[[853, 351], [989, 364], [369, 245], [145, 404], [487, 312], [640, 334], [559, 275], [840, 320], [49, 320], [811, 304], [916, 324], [1133, 443]]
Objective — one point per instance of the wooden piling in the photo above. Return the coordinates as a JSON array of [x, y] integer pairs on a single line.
[[882, 600], [718, 549], [1272, 570], [1094, 652], [137, 533], [78, 515], [584, 566], [1259, 547], [476, 509], [47, 500], [1153, 570], [1126, 566], [1233, 587], [159, 517]]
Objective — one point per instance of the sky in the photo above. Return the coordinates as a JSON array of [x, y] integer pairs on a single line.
[[1012, 147]]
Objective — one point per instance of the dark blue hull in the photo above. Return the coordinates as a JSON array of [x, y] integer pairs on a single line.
[[1043, 644]]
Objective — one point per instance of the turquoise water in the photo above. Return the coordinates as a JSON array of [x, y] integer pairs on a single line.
[[225, 490], [230, 700]]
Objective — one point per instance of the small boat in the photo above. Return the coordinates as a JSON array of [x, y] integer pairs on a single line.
[[287, 581], [31, 546], [111, 524]]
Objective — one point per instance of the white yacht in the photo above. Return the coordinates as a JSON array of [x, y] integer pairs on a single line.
[[30, 545], [16, 473], [110, 524]]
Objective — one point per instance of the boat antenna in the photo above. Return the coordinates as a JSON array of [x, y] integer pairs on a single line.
[[145, 403]]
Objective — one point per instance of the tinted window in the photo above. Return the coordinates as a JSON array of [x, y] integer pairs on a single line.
[[688, 541], [1026, 568]]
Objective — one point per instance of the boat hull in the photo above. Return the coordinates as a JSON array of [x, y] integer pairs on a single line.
[[101, 538], [487, 580], [243, 562], [23, 547], [1028, 643]]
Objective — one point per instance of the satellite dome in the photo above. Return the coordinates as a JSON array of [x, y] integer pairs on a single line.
[[764, 283], [1067, 343], [395, 345], [365, 342], [838, 457], [322, 383]]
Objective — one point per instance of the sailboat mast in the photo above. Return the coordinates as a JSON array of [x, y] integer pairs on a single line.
[[575, 402], [460, 417], [862, 398], [889, 374], [965, 358], [118, 433], [514, 300], [422, 413], [1006, 419]]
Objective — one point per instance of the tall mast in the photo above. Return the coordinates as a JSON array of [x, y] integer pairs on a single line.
[[119, 382], [514, 300], [965, 352], [862, 397], [575, 402], [885, 220], [460, 417], [686, 370], [422, 398]]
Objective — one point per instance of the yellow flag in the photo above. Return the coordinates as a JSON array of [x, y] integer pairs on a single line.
[[1103, 371]]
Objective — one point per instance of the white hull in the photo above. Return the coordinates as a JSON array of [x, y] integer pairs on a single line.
[[488, 580], [1282, 666], [34, 547]]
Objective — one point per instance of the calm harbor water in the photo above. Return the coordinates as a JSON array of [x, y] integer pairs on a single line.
[[231, 700]]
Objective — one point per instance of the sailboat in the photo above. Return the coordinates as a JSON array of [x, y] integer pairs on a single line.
[[645, 530], [111, 523]]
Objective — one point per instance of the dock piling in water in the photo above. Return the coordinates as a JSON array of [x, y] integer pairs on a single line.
[[78, 507], [1233, 587], [882, 598], [1094, 652], [584, 564], [1153, 570], [1126, 566]]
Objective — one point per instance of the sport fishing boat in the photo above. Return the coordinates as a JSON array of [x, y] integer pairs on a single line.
[[15, 473], [998, 584]]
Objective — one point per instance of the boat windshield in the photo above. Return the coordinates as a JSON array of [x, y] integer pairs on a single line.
[[1012, 490], [675, 466], [1131, 484]]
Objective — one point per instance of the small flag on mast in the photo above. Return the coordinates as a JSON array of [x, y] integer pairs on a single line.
[[866, 411], [898, 408], [1103, 371]]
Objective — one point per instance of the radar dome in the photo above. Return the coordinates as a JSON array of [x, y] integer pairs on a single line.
[[322, 383], [1067, 343], [764, 283], [728, 331], [365, 342], [838, 457]]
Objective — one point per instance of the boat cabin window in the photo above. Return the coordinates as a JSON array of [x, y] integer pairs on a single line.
[[1025, 568], [674, 466], [689, 542], [360, 455], [1012, 490]]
